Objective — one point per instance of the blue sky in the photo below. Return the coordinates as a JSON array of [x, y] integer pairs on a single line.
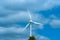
[[14, 17]]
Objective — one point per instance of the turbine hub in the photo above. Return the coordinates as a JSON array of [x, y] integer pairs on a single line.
[[30, 21]]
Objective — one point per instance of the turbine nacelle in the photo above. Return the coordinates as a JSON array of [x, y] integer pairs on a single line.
[[30, 21]]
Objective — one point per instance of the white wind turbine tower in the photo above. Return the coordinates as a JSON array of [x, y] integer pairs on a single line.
[[30, 23]]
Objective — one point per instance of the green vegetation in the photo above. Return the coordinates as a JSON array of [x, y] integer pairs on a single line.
[[32, 38]]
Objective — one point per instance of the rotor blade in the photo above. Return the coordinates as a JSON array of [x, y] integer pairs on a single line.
[[40, 24], [36, 22], [26, 26], [29, 14]]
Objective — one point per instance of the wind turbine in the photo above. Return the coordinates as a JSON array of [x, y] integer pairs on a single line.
[[30, 24]]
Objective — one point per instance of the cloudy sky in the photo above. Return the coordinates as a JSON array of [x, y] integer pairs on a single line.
[[14, 17]]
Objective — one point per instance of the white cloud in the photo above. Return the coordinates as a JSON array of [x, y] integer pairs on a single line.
[[23, 16], [55, 23], [15, 33], [40, 37], [51, 3], [52, 16], [10, 9], [34, 5], [40, 19], [43, 38], [18, 17], [13, 29], [12, 38], [5, 12]]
